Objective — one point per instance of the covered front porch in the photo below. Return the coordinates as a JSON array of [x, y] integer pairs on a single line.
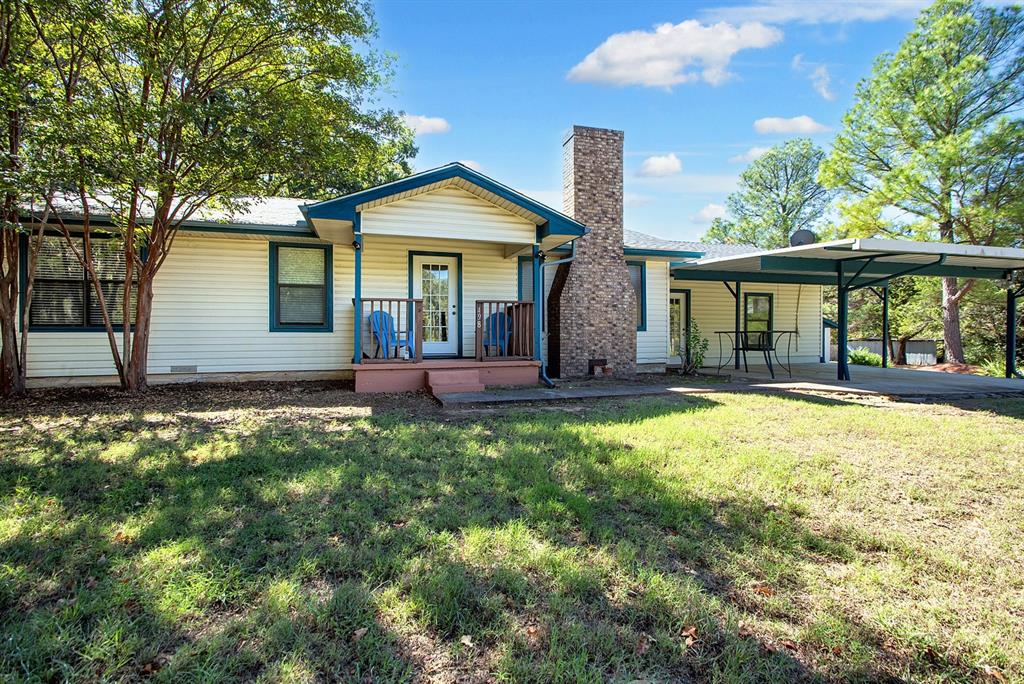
[[444, 264]]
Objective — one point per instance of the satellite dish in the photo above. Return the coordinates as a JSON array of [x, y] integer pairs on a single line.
[[802, 237]]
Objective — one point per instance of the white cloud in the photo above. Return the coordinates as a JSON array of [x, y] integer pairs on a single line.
[[633, 199], [660, 165], [425, 125], [750, 155], [709, 213], [803, 12], [819, 76], [475, 165], [672, 54], [802, 125]]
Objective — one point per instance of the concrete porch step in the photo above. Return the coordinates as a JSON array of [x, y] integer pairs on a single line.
[[446, 381]]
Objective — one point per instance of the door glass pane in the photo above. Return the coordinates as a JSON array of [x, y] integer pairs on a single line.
[[435, 286]]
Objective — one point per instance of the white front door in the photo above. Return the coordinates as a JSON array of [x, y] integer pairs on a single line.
[[677, 324], [435, 279]]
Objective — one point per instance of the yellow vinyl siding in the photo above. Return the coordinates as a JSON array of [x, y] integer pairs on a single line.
[[713, 308], [448, 213], [652, 343], [211, 310]]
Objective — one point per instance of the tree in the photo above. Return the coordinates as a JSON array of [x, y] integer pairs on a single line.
[[933, 147], [778, 194], [25, 99], [193, 104]]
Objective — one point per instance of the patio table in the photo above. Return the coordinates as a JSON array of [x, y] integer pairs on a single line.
[[766, 342]]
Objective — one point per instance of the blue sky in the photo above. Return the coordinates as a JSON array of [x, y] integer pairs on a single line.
[[497, 84]]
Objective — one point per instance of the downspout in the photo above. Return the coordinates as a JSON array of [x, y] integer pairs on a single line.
[[538, 294]]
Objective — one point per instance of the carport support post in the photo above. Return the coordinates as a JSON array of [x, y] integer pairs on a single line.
[[736, 352], [843, 295], [1011, 331], [885, 327]]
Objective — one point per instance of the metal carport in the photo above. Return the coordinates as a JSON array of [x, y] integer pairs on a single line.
[[858, 263]]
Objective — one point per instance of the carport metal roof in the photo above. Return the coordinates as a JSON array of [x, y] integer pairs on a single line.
[[871, 258]]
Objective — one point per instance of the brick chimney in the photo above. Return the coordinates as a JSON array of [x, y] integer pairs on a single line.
[[594, 310]]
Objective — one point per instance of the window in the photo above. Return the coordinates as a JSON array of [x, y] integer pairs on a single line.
[[63, 296], [638, 276], [525, 279], [757, 312], [300, 278]]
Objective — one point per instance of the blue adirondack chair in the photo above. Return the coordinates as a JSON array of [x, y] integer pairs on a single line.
[[497, 331], [382, 328]]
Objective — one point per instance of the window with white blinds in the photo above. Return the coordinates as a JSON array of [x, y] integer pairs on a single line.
[[526, 279], [638, 277], [301, 287], [62, 294]]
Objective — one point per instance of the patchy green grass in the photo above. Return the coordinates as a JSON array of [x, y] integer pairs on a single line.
[[314, 537]]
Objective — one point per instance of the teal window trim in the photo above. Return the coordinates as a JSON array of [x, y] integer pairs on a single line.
[[642, 325], [519, 275], [328, 324], [771, 307], [458, 295], [23, 286]]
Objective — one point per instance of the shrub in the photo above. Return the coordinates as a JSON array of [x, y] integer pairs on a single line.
[[863, 357], [698, 348]]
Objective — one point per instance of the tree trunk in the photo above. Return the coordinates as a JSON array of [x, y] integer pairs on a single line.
[[901, 351], [12, 377], [951, 322], [12, 380], [137, 366]]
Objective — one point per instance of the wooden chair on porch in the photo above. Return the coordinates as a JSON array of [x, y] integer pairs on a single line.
[[382, 328]]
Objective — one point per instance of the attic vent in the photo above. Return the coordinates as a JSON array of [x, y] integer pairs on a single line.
[[184, 369]]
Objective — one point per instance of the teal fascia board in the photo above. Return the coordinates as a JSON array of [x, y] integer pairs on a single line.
[[637, 251], [344, 208], [877, 268], [756, 277]]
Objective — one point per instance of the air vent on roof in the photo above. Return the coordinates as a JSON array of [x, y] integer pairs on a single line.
[[802, 237]]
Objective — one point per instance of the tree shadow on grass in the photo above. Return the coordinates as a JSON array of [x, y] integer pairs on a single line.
[[530, 546]]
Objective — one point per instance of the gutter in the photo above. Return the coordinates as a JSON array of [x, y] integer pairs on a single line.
[[544, 264]]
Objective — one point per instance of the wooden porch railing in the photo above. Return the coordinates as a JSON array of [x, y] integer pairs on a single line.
[[504, 330], [395, 319]]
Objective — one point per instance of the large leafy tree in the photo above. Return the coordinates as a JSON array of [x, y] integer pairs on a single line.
[[778, 194], [27, 100], [933, 147], [192, 104]]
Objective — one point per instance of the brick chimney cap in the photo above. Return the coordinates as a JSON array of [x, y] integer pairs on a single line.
[[591, 129]]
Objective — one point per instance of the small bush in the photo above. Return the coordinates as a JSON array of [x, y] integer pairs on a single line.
[[698, 347], [863, 357], [993, 367]]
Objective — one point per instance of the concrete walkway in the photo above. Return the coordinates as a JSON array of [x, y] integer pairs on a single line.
[[892, 382], [901, 383]]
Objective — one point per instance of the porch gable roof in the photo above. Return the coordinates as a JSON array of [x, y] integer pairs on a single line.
[[346, 208]]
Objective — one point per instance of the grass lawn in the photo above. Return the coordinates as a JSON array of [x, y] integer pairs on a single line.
[[306, 534]]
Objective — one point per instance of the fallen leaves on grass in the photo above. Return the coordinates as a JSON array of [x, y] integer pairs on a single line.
[[466, 641], [359, 634], [644, 643], [689, 635]]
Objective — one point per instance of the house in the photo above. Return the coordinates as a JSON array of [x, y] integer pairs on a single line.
[[427, 281]]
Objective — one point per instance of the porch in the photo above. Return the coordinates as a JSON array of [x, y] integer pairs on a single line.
[[395, 335]]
